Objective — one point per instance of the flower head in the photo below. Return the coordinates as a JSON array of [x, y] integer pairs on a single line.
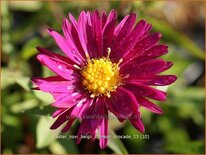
[[107, 67]]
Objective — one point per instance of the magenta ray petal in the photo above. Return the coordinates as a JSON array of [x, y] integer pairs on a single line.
[[120, 34], [91, 119], [139, 30], [63, 70], [39, 81], [68, 101], [68, 125], [61, 119], [75, 36], [74, 43], [120, 25], [142, 45], [59, 96], [104, 18], [148, 68], [73, 21], [92, 43], [151, 53], [143, 90], [81, 106], [82, 24], [135, 118], [162, 80], [97, 30], [54, 56], [125, 101], [69, 115], [155, 80], [66, 27], [71, 53], [108, 31], [46, 85], [149, 105], [137, 122], [123, 29], [58, 112], [104, 131]]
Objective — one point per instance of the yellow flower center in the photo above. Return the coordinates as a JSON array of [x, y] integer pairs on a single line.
[[100, 76]]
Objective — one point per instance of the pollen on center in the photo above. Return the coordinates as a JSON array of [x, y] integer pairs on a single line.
[[100, 76]]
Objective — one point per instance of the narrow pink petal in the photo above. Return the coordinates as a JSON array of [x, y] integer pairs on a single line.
[[135, 117], [147, 29], [81, 106], [104, 18], [97, 28], [146, 91], [61, 119], [108, 31], [104, 131], [75, 35], [68, 101], [90, 36], [54, 86], [151, 67], [55, 56], [125, 29], [120, 25], [162, 80], [151, 53], [71, 53], [167, 66], [137, 123], [58, 96], [73, 21], [68, 30], [121, 103], [142, 45], [149, 105], [155, 80], [127, 44], [82, 22], [121, 35], [64, 70], [58, 112], [92, 118], [68, 125], [38, 81], [66, 27]]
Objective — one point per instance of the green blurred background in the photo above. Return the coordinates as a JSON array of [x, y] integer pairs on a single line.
[[25, 114]]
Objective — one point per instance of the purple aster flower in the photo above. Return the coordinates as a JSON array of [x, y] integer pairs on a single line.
[[106, 67]]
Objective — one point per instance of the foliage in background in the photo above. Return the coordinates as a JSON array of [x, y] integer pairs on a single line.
[[26, 113]]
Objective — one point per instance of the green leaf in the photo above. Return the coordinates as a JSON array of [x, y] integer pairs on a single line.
[[188, 147], [45, 136], [57, 148], [11, 120], [24, 82], [41, 110], [44, 97], [25, 105], [8, 77], [116, 144], [29, 49]]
